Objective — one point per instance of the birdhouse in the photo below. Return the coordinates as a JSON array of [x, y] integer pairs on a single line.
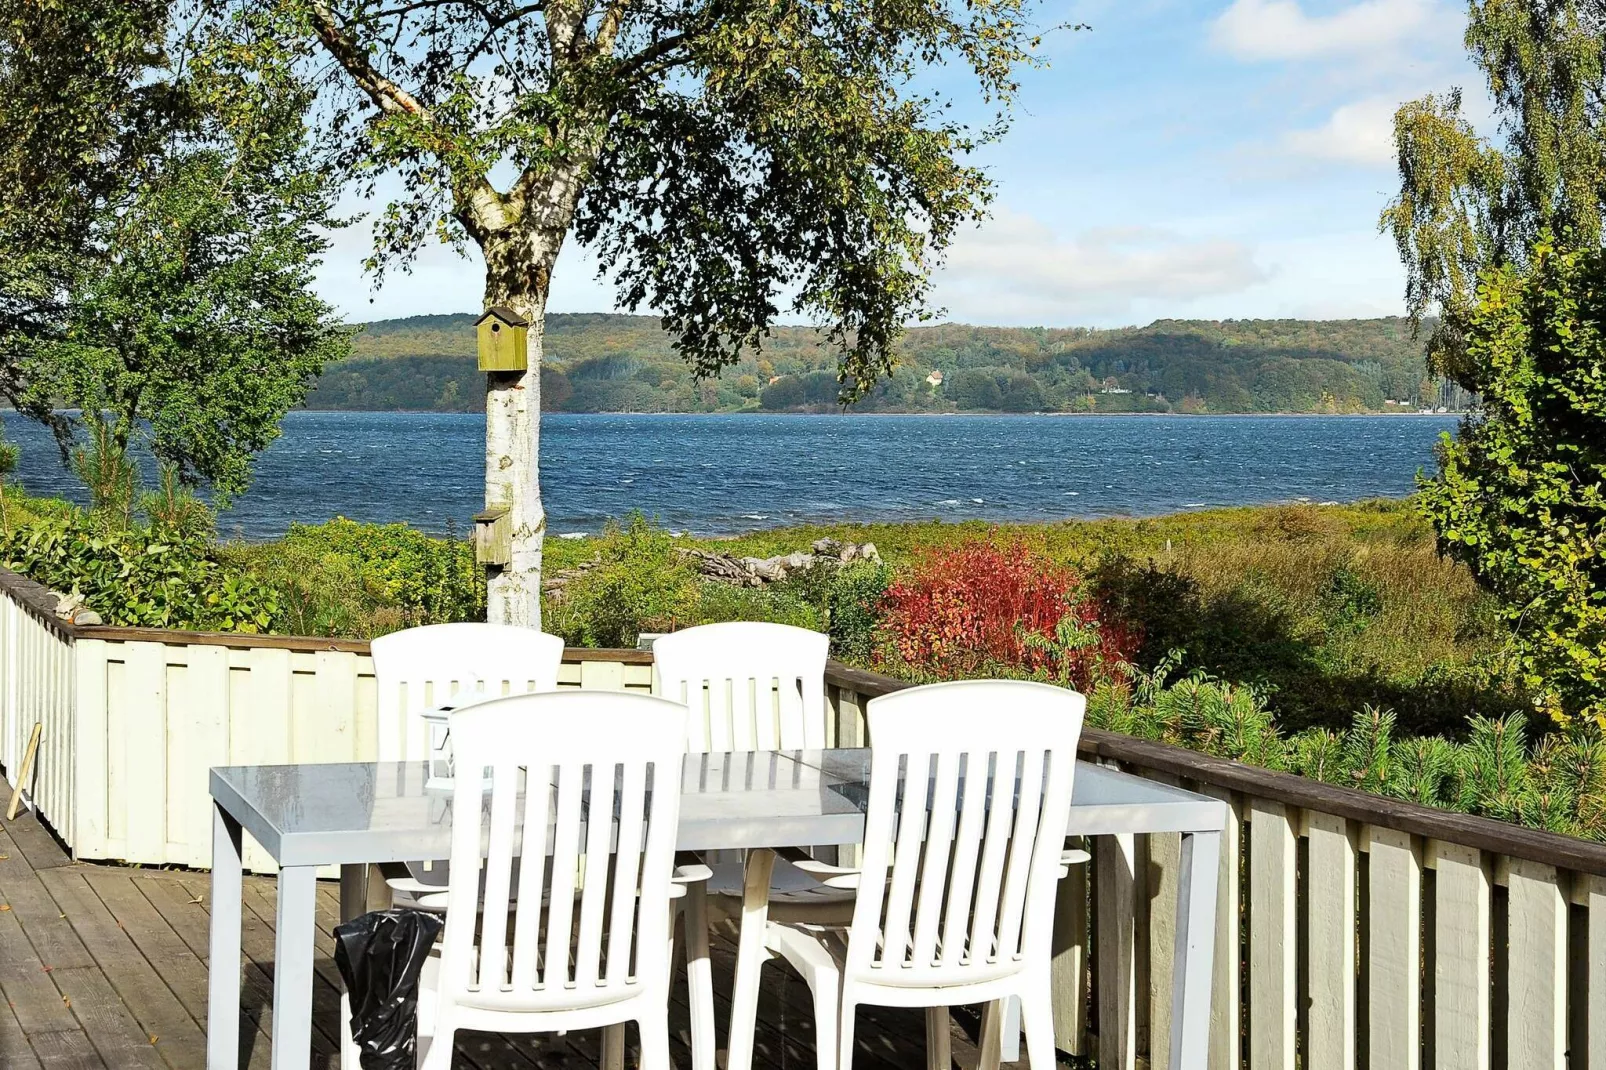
[[493, 536], [504, 340]]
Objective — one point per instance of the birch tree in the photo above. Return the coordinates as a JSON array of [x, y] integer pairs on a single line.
[[726, 161]]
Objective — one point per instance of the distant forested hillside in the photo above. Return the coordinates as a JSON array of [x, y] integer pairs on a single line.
[[611, 363]]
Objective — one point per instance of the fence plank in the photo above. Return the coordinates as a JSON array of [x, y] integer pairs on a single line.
[[1536, 1015], [1068, 969], [1330, 978], [1165, 866], [1595, 998], [89, 750], [206, 684], [1461, 919], [1226, 1001], [1394, 951], [1117, 1003], [144, 752], [1272, 938], [602, 675]]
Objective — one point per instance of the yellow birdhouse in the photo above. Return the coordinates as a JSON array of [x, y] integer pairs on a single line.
[[504, 340]]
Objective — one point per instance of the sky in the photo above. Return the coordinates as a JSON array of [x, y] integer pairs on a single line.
[[1198, 159]]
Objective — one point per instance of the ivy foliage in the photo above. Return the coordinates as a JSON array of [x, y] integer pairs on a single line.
[[1520, 495], [140, 576]]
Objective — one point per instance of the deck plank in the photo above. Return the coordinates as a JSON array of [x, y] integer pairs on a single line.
[[111, 1029], [15, 1051], [66, 1050], [180, 1038], [51, 936]]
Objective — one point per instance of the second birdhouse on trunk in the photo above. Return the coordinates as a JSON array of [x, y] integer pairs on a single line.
[[504, 340]]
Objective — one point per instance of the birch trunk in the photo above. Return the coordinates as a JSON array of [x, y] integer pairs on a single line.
[[517, 274]]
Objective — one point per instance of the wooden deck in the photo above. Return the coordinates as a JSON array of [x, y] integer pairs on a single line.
[[106, 966]]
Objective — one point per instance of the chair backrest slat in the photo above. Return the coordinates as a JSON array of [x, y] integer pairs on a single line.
[[750, 685], [587, 763], [970, 789], [533, 866], [421, 669]]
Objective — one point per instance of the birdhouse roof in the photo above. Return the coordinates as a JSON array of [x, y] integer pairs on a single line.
[[505, 314]]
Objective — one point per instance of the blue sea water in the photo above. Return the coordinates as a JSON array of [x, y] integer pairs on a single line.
[[716, 474]]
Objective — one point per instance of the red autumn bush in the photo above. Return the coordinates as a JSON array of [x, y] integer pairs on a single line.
[[983, 608]]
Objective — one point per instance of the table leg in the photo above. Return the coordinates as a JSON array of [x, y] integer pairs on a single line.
[[1191, 979], [223, 956], [292, 968], [750, 957], [353, 891]]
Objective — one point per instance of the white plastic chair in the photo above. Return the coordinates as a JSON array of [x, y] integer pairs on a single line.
[[750, 686], [422, 669], [970, 790], [582, 942]]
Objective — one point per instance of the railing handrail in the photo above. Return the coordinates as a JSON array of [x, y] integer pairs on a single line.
[[37, 599]]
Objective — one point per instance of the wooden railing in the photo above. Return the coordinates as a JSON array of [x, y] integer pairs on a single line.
[[1353, 930]]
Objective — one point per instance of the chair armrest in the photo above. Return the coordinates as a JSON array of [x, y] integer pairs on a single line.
[[1072, 857], [827, 874], [691, 873]]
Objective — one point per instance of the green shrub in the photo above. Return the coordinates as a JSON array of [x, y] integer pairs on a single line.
[[422, 579], [174, 511], [635, 583], [855, 608], [1557, 782], [140, 578], [1520, 495]]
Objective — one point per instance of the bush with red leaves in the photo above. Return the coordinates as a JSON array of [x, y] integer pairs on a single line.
[[982, 608]]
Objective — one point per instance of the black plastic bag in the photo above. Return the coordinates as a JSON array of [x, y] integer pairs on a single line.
[[380, 956]]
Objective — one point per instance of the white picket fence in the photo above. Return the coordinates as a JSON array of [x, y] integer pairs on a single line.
[[1353, 931]]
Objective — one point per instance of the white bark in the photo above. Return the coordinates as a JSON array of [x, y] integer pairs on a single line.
[[512, 461]]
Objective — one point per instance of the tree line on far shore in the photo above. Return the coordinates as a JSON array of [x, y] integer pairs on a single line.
[[616, 363]]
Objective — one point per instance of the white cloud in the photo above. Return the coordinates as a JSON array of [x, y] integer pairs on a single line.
[[1359, 133], [1282, 30], [1014, 269]]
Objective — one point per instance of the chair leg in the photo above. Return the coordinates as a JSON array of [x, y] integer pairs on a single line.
[[654, 1040], [1037, 1018], [845, 1023], [435, 1052], [939, 1041], [992, 1023], [350, 1054], [699, 979], [613, 1046], [826, 989]]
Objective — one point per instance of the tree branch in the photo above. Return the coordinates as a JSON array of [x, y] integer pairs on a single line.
[[478, 206], [643, 61], [386, 94]]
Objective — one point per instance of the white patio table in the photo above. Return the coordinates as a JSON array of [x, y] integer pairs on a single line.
[[351, 815]]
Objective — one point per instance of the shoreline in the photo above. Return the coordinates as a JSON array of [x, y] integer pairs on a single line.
[[937, 415]]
